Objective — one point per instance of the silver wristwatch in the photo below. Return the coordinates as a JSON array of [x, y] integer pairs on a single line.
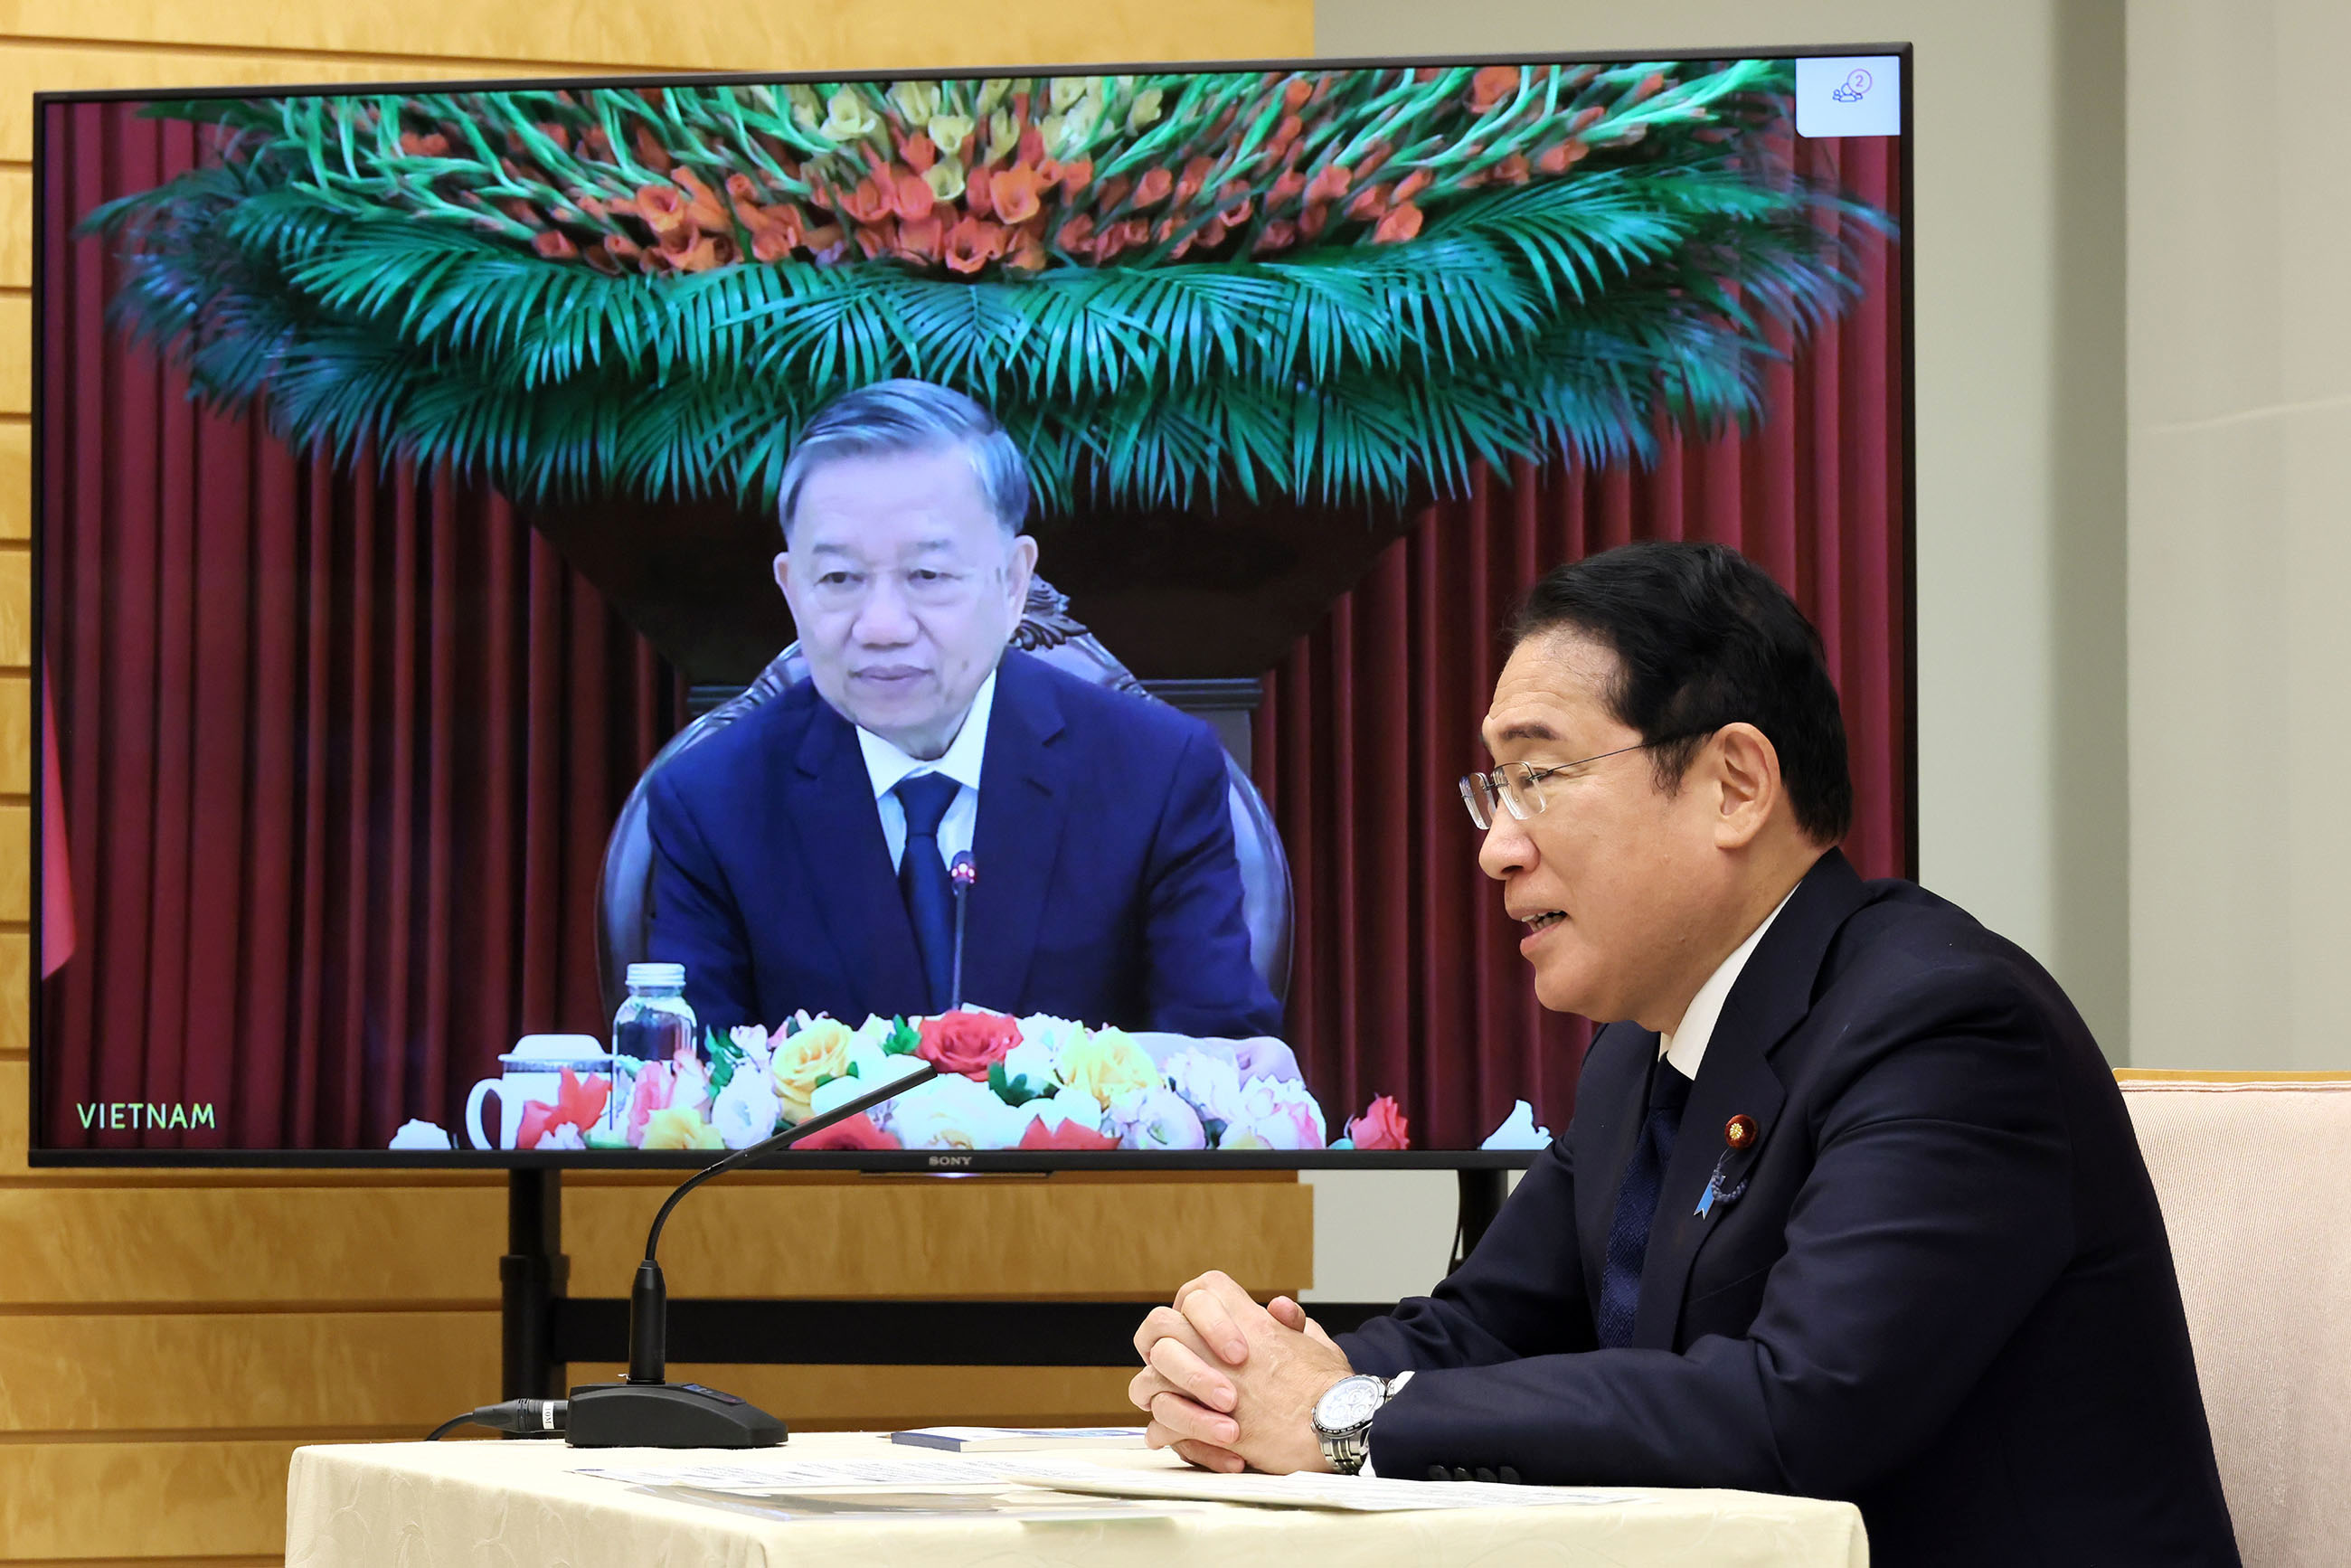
[[1342, 1419]]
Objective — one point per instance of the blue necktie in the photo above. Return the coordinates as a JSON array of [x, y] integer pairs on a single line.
[[922, 880], [1636, 1205]]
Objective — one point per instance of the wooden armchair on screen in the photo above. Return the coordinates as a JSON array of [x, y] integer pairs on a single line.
[[624, 905]]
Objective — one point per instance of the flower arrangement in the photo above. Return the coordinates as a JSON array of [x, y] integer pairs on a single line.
[[1333, 285], [1037, 1082]]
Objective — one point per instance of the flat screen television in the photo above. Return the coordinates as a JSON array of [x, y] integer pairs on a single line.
[[413, 467]]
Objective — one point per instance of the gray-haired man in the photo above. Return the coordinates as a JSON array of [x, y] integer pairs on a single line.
[[801, 856]]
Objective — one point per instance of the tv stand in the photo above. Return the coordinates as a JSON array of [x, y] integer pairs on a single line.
[[543, 1328]]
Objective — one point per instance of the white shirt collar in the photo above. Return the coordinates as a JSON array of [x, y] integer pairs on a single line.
[[886, 765], [1686, 1047]]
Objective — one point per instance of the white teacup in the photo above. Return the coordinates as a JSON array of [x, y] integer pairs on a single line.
[[533, 1069]]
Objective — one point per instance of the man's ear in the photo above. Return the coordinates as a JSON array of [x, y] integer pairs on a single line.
[[1022, 568], [784, 570], [1746, 775]]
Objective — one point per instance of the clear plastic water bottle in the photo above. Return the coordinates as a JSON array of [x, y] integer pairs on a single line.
[[655, 1021]]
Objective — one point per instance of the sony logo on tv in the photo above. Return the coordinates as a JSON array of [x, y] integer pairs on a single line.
[[938, 1161], [129, 1115]]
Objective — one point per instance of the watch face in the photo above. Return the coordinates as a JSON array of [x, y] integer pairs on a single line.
[[1349, 1402]]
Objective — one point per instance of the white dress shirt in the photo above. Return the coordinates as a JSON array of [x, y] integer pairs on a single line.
[[1686, 1047], [885, 765]]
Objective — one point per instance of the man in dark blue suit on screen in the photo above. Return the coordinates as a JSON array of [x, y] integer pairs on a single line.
[[1850, 1206], [801, 854]]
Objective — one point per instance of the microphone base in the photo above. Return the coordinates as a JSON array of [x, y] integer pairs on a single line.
[[666, 1416]]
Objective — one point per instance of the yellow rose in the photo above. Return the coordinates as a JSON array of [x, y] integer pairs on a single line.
[[1106, 1064], [675, 1127], [819, 1050]]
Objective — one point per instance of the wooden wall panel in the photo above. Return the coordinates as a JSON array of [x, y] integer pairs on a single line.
[[141, 1500], [167, 1338], [715, 34], [15, 479]]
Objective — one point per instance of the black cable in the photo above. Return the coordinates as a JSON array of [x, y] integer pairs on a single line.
[[529, 1417]]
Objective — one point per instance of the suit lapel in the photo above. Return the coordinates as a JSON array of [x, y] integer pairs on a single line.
[[852, 891], [1023, 797], [1770, 999]]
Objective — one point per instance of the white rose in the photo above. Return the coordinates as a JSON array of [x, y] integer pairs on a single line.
[[1053, 1036], [752, 1041], [952, 1112], [564, 1136], [1282, 1113], [745, 1110], [1069, 1105], [1212, 1085], [1032, 1060]]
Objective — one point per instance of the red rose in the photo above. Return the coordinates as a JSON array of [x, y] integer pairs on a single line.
[[969, 1043], [1380, 1127], [857, 1133], [1065, 1135]]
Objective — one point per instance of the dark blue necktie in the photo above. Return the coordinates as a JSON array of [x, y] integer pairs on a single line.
[[922, 880], [1636, 1205]]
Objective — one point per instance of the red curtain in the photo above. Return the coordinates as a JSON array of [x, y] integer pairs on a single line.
[[340, 745], [1408, 979]]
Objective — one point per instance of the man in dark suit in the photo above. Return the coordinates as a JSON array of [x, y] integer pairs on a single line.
[[802, 855], [1850, 1206]]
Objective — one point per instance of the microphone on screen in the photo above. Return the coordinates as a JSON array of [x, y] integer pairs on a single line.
[[961, 873], [649, 1412]]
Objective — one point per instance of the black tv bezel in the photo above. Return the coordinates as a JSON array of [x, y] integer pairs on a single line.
[[888, 1162]]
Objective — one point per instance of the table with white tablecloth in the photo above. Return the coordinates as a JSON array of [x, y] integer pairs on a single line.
[[525, 1504]]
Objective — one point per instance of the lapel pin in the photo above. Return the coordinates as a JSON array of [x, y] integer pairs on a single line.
[[1739, 1134]]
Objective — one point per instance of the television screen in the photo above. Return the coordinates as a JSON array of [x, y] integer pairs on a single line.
[[591, 620]]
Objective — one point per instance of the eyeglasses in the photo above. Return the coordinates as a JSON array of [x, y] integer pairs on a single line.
[[1519, 786]]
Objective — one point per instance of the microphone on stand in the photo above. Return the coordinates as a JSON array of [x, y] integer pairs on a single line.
[[961, 875], [648, 1412]]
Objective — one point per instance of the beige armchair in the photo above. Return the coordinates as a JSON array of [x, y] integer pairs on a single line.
[[2253, 1172]]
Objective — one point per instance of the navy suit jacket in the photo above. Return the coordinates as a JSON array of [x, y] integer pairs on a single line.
[[1944, 1293], [1108, 889]]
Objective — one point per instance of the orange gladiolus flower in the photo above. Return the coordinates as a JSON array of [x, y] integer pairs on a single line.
[[1370, 203], [912, 194], [919, 153], [1153, 188], [1400, 225], [1412, 184], [1076, 235], [1330, 183], [1028, 255], [1514, 168], [1295, 93], [1279, 234], [1210, 235], [554, 244], [651, 154], [621, 247], [704, 208], [972, 243], [1076, 176], [1560, 159], [1491, 86], [919, 239], [869, 204], [879, 239], [1234, 217], [744, 197], [974, 192], [1285, 189], [1310, 220], [773, 244], [1195, 175], [709, 251], [432, 144], [663, 208], [1013, 194], [1032, 147]]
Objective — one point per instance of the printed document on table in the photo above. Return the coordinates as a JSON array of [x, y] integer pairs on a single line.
[[1353, 1494]]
